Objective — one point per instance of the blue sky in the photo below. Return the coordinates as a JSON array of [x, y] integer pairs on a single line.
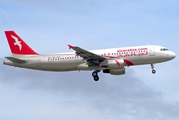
[[48, 26]]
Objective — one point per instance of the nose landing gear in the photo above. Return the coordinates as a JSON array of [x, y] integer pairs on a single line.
[[153, 70], [95, 75]]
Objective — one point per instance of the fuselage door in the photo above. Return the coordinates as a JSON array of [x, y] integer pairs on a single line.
[[152, 50], [39, 63]]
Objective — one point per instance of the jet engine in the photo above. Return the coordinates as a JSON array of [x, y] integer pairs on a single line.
[[120, 71]]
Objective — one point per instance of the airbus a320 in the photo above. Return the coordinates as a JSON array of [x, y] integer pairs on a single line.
[[111, 61]]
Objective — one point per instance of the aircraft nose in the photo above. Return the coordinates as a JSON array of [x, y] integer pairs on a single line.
[[172, 55]]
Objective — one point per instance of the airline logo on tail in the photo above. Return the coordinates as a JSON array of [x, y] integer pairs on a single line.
[[17, 45], [17, 42]]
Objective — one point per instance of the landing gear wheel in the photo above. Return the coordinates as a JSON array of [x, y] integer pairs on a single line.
[[153, 71], [94, 74], [96, 78]]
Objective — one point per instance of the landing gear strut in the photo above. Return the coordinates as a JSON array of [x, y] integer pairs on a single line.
[[153, 70], [95, 75]]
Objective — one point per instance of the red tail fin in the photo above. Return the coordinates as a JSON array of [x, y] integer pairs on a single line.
[[17, 45]]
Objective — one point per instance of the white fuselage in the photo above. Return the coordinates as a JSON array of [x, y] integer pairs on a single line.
[[137, 55]]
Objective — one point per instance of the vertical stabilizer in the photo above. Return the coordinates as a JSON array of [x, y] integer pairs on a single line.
[[17, 45]]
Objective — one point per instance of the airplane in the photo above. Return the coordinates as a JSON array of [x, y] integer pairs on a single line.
[[111, 61]]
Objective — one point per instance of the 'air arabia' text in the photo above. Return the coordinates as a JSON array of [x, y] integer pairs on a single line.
[[133, 52]]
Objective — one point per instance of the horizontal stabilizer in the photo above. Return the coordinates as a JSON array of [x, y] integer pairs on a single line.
[[15, 60]]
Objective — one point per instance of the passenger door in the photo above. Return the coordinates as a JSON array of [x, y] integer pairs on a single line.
[[152, 50]]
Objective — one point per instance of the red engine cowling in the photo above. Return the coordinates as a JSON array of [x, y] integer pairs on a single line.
[[115, 64], [115, 71]]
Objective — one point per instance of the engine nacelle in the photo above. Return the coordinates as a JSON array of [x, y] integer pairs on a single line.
[[115, 71], [114, 64]]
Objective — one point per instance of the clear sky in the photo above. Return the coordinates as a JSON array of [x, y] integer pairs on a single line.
[[49, 25]]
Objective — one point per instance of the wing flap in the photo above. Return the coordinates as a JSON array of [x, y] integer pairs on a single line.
[[15, 60]]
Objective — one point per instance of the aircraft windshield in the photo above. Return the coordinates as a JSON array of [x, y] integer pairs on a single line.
[[164, 49]]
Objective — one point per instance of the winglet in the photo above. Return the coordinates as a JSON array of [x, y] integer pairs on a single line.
[[70, 46]]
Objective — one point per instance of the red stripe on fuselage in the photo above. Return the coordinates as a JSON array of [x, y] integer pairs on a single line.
[[129, 63], [117, 63], [109, 56]]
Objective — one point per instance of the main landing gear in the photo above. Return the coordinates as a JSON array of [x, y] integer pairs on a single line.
[[95, 75], [153, 70]]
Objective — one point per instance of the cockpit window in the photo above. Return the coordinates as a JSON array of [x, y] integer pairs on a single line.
[[164, 49]]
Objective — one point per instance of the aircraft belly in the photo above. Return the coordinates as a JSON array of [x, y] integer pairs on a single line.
[[147, 59], [136, 60], [61, 66], [154, 59], [48, 66]]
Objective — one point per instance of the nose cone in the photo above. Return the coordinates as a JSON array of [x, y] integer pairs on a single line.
[[172, 55]]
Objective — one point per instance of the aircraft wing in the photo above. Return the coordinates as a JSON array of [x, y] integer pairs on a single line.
[[87, 55]]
